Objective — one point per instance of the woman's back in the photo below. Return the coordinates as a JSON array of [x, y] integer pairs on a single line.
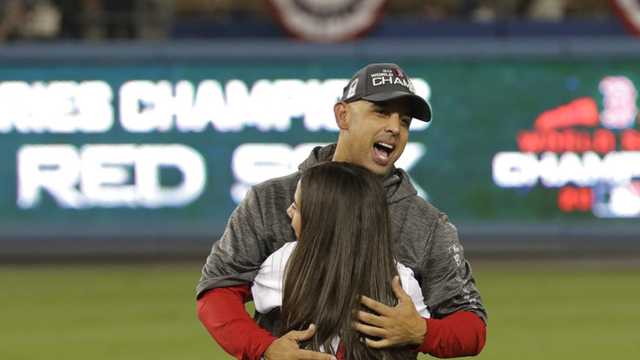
[[343, 251]]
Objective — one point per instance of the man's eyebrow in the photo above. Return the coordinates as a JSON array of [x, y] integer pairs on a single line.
[[378, 107]]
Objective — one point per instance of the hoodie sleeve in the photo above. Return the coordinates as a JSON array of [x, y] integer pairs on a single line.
[[236, 257], [449, 285]]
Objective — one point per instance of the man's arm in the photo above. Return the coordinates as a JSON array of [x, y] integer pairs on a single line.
[[447, 279], [462, 333], [236, 257], [458, 326], [231, 267], [223, 314]]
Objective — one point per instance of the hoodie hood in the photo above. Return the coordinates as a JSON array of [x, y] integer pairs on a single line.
[[396, 183]]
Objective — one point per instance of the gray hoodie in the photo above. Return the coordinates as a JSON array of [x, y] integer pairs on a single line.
[[426, 241]]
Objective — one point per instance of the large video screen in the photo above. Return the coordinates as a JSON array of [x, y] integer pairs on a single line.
[[171, 147]]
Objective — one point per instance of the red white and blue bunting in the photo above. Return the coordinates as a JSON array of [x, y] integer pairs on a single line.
[[327, 21]]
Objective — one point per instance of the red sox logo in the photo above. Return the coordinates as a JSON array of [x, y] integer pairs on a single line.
[[592, 157]]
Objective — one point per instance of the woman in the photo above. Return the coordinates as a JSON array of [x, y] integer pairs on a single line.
[[344, 250]]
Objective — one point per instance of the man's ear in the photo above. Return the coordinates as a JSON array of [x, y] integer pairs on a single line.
[[341, 112]]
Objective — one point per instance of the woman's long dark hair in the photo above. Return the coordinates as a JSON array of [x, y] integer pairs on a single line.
[[344, 251]]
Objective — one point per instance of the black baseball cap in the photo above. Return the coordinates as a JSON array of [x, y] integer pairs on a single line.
[[382, 82]]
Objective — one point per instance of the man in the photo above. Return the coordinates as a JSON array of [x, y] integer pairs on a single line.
[[373, 115]]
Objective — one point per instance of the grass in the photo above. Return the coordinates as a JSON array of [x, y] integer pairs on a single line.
[[537, 311]]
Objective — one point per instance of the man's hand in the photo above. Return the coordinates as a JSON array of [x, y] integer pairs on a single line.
[[399, 325], [286, 347]]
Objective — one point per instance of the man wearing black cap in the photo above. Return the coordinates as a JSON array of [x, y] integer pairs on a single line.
[[373, 115]]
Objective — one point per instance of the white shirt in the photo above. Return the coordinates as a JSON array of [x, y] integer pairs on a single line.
[[268, 285]]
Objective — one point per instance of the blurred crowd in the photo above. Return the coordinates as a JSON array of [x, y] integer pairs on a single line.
[[499, 10], [473, 10], [153, 19], [85, 19]]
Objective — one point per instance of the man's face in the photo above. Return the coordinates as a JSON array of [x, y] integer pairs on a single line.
[[376, 134]]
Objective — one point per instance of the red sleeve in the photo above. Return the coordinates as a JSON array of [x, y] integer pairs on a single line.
[[222, 312], [462, 333]]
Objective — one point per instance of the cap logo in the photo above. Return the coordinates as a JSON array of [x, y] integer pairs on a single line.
[[399, 72], [352, 89], [390, 79]]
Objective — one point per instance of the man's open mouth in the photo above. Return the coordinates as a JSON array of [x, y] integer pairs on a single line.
[[383, 151]]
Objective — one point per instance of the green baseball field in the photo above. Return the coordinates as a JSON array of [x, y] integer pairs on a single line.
[[538, 310]]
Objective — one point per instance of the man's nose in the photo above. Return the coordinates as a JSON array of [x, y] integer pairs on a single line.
[[393, 125]]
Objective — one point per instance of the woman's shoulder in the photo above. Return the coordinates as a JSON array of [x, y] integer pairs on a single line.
[[413, 289], [408, 280], [404, 270], [285, 251], [278, 258]]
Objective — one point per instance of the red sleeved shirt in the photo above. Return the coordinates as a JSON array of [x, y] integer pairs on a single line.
[[222, 313]]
